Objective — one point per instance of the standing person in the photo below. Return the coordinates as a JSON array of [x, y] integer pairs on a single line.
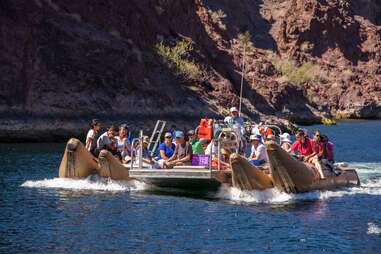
[[107, 141], [285, 141], [92, 134], [123, 144], [166, 149], [258, 155], [183, 152], [234, 118]]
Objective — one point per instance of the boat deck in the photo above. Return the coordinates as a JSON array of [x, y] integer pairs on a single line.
[[190, 177]]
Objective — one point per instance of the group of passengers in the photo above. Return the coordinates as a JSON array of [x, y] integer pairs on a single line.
[[177, 149], [116, 140]]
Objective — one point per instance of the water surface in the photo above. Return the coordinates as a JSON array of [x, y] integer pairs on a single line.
[[43, 214]]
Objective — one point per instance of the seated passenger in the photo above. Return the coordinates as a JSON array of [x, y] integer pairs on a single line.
[[328, 147], [224, 159], [302, 145], [92, 135], [211, 147], [192, 138], [107, 141], [145, 152], [199, 146], [182, 154], [308, 149], [285, 141], [166, 149], [123, 144], [270, 139], [258, 155]]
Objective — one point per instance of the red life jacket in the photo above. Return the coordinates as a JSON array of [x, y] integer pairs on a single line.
[[205, 129]]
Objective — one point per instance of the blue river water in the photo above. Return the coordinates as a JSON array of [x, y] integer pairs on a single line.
[[40, 213]]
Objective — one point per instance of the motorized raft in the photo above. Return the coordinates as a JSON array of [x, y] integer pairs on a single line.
[[205, 173], [208, 172]]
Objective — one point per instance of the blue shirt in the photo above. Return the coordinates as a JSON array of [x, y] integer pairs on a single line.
[[167, 150]]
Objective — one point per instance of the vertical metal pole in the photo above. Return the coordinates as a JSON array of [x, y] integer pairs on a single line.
[[242, 75], [219, 154], [210, 155], [141, 150]]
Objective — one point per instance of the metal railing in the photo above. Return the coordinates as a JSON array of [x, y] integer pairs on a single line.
[[133, 157]]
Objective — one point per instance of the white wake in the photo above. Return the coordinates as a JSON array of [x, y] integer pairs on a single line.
[[370, 178], [373, 229], [93, 182]]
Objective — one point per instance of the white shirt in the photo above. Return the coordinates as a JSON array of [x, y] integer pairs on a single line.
[[209, 148], [90, 135], [261, 151]]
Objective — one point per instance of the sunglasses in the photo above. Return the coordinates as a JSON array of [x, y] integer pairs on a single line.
[[168, 137]]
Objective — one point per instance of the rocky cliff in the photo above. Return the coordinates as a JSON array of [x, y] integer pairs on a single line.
[[65, 62]]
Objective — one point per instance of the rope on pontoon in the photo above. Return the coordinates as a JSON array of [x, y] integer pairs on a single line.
[[70, 164]]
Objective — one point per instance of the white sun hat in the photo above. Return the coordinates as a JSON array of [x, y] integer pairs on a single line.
[[285, 137], [233, 109]]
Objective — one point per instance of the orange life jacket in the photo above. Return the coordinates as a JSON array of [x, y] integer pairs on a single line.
[[205, 129]]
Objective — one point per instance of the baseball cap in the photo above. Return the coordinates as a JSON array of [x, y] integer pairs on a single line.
[[179, 134]]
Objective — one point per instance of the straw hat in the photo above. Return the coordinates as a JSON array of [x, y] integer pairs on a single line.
[[146, 140], [225, 152]]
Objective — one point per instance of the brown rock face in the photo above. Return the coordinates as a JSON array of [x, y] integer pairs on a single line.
[[64, 62]]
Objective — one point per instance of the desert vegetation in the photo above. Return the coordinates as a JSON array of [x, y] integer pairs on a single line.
[[178, 57]]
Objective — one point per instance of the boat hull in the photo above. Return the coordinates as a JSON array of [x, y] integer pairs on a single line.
[[246, 176], [110, 166], [187, 178], [77, 162], [293, 176]]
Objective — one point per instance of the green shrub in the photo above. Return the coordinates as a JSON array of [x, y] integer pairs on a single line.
[[176, 57], [217, 17], [296, 74]]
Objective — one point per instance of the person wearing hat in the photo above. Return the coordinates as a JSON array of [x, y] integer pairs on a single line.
[[285, 141], [258, 155], [224, 159], [166, 149], [234, 117], [192, 139], [183, 152]]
